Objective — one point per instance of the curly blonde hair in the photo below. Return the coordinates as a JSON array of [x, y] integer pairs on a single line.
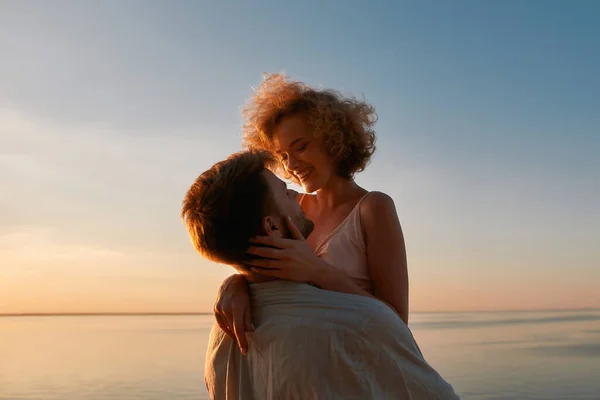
[[344, 125]]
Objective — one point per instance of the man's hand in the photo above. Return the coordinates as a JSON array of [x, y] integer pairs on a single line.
[[233, 311]]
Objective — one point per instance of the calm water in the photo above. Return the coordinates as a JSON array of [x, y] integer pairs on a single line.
[[533, 355]]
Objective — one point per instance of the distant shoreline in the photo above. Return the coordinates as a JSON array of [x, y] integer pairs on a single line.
[[108, 314], [158, 314]]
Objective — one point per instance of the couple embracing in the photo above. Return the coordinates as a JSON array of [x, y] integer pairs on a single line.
[[319, 307]]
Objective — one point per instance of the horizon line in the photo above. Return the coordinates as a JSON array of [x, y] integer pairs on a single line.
[[116, 314], [98, 314]]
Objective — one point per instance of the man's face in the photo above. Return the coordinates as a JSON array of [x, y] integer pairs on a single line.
[[286, 201]]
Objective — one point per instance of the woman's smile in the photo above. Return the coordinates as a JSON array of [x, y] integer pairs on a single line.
[[304, 174]]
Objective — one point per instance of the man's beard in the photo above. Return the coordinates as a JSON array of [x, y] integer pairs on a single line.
[[307, 226], [304, 225]]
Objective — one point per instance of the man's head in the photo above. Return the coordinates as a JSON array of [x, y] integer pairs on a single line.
[[235, 200]]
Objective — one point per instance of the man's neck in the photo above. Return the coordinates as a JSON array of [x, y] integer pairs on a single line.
[[252, 277]]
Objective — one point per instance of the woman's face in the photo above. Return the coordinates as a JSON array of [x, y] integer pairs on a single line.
[[301, 154]]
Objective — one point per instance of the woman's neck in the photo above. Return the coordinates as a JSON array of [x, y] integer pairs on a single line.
[[337, 191]]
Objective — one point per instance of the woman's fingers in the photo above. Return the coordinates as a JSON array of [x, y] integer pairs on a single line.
[[224, 326], [248, 325], [296, 234], [272, 241], [267, 252], [240, 332], [263, 263], [266, 271], [236, 329]]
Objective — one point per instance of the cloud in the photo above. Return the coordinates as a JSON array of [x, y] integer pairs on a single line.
[[40, 244], [97, 182]]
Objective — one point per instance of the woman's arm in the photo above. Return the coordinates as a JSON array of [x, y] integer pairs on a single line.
[[386, 251], [335, 280], [294, 260], [233, 310]]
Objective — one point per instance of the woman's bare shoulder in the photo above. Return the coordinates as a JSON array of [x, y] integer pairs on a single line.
[[375, 201]]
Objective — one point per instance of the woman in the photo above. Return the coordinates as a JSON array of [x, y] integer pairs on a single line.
[[321, 139]]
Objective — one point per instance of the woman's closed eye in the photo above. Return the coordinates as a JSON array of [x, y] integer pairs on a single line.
[[303, 147]]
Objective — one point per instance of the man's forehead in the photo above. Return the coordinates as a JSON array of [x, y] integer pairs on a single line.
[[273, 181]]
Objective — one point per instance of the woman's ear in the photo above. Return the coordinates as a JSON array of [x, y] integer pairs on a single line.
[[270, 226]]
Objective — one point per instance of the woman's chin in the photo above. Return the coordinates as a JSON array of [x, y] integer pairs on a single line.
[[308, 187]]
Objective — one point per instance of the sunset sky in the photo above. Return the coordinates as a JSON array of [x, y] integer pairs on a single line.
[[488, 141]]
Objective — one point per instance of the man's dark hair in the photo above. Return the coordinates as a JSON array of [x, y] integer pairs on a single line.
[[224, 207]]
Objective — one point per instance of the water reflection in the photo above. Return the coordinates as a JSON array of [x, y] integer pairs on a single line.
[[541, 355]]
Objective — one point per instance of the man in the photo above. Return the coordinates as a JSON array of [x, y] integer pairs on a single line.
[[308, 343]]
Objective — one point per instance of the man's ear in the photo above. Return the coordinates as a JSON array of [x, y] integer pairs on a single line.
[[270, 226]]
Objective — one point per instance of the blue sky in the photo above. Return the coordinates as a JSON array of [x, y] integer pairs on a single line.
[[488, 135]]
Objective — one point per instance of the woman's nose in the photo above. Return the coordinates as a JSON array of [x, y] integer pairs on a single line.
[[292, 164], [289, 164]]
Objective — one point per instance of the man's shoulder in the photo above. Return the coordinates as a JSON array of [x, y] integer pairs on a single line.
[[283, 300]]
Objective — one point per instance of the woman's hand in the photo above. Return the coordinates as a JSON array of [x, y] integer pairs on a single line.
[[290, 259], [294, 260], [233, 311]]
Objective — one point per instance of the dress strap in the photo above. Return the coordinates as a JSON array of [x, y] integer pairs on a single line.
[[301, 198]]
